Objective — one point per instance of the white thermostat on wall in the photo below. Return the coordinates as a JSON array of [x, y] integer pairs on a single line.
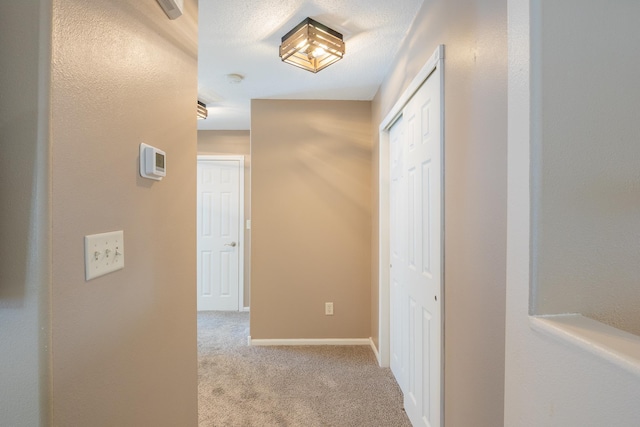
[[153, 162]]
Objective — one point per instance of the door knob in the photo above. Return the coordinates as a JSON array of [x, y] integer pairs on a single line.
[[232, 244]]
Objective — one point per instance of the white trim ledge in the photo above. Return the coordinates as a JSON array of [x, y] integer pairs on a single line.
[[310, 341], [245, 309], [606, 342]]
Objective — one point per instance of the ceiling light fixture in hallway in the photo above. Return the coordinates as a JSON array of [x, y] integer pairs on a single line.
[[312, 46]]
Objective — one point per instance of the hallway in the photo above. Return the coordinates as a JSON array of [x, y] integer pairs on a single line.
[[288, 386]]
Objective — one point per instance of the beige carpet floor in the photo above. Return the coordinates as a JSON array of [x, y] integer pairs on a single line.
[[243, 386]]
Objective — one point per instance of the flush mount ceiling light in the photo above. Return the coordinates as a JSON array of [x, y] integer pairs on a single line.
[[202, 110], [312, 46]]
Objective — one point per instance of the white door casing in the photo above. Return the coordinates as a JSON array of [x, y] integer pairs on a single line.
[[411, 204], [220, 233]]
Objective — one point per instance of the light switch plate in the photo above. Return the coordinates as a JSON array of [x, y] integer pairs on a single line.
[[103, 253]]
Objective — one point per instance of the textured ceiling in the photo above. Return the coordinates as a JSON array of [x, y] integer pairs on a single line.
[[243, 36]]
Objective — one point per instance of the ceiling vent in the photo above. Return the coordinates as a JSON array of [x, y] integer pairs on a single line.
[[173, 8]]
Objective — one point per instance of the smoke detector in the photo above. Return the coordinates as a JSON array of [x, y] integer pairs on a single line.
[[234, 78]]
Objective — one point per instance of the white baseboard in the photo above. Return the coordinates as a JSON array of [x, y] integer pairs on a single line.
[[375, 351], [310, 341]]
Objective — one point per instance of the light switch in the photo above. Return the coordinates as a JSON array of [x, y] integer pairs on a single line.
[[248, 224], [103, 253]]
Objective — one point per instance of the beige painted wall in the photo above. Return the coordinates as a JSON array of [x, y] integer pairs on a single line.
[[24, 214], [474, 35], [236, 142], [123, 345], [311, 225]]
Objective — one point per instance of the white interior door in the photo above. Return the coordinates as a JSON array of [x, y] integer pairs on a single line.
[[416, 254], [398, 292], [218, 240]]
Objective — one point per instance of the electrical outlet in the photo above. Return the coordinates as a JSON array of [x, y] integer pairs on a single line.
[[328, 308], [104, 253]]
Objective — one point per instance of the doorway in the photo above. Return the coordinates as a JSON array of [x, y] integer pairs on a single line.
[[220, 233], [411, 243]]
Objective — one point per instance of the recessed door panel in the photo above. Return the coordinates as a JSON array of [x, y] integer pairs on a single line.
[[225, 269], [226, 216], [206, 264], [425, 214]]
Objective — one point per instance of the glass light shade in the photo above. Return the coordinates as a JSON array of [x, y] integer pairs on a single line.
[[202, 110], [312, 46]]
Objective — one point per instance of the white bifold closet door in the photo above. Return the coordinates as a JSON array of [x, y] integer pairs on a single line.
[[416, 197]]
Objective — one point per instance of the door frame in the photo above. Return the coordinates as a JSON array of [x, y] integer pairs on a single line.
[[433, 65], [240, 158]]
